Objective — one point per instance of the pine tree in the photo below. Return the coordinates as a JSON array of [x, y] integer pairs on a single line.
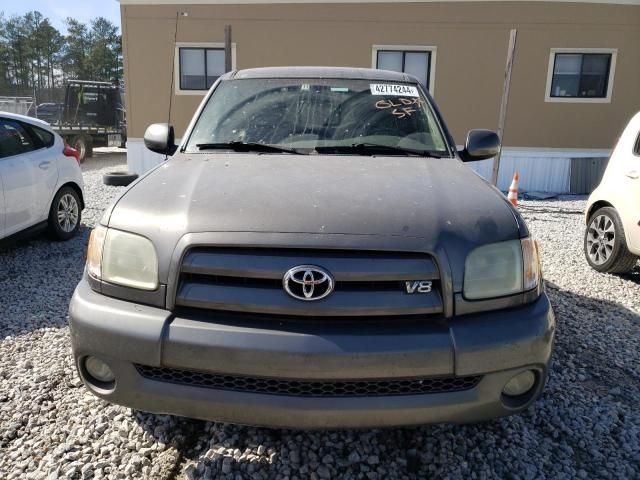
[[34, 55]]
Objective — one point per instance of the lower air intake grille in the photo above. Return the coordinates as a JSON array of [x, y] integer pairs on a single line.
[[310, 388]]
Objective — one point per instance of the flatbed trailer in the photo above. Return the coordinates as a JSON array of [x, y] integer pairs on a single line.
[[93, 116], [84, 138]]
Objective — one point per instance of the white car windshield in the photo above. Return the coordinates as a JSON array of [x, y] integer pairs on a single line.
[[320, 116]]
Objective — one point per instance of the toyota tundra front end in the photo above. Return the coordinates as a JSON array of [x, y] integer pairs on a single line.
[[315, 255]]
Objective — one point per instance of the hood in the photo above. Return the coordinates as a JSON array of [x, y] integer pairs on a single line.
[[440, 201]]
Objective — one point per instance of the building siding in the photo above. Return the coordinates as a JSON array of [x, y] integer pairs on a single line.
[[471, 39]]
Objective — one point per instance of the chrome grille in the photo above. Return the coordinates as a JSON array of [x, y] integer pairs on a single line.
[[310, 388], [249, 280]]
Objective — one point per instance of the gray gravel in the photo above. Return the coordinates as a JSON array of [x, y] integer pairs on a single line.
[[586, 425]]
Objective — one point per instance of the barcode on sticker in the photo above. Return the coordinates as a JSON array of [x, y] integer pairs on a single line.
[[397, 90]]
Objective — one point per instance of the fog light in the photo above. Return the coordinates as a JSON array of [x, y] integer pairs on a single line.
[[520, 384], [99, 370]]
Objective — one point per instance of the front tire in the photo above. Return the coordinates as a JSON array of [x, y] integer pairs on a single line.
[[65, 214], [605, 244]]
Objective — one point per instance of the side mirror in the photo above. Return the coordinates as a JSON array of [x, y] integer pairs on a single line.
[[480, 145], [160, 138]]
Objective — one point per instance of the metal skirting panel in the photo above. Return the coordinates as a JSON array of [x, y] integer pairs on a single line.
[[139, 159], [537, 173], [540, 170], [586, 173]]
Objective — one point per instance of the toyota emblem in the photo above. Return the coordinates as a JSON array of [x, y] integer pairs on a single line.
[[308, 282]]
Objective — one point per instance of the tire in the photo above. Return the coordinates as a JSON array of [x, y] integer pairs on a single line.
[[119, 179], [605, 244], [83, 145], [65, 214]]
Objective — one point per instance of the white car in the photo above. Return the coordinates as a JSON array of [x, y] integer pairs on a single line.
[[40, 179], [612, 237]]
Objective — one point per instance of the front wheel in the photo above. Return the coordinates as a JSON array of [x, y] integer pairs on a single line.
[[65, 214], [605, 245]]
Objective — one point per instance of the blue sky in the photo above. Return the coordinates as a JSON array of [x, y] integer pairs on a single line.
[[58, 10]]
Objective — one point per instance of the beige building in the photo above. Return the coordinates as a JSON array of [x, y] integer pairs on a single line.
[[575, 83]]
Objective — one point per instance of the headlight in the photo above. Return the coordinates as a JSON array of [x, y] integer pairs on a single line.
[[94, 251], [531, 263], [122, 258], [501, 269]]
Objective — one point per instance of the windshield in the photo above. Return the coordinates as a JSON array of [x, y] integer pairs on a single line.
[[318, 115]]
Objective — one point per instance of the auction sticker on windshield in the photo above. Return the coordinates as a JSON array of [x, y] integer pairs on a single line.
[[390, 89]]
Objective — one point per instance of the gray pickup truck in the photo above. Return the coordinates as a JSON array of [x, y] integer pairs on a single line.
[[314, 254]]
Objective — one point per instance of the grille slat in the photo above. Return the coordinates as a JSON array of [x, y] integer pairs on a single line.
[[344, 266], [263, 300], [276, 283], [367, 283], [310, 388]]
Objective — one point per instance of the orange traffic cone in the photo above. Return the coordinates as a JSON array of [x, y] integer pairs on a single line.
[[513, 190]]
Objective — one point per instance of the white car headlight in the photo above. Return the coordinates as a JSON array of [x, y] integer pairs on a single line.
[[122, 258], [501, 269]]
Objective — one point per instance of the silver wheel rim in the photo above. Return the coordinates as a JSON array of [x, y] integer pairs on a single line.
[[80, 146], [601, 236], [68, 212]]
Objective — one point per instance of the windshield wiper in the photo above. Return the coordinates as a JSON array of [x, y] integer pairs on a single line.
[[373, 148], [247, 147]]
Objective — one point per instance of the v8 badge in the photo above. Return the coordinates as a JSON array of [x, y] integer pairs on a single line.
[[418, 286]]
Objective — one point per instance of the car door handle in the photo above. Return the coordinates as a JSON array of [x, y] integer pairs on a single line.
[[634, 174], [44, 165]]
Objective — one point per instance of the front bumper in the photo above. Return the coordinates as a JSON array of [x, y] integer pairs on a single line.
[[494, 345]]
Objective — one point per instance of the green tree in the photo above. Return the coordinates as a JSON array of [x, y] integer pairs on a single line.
[[105, 51], [17, 42], [52, 45], [76, 50], [33, 25], [34, 55], [5, 79]]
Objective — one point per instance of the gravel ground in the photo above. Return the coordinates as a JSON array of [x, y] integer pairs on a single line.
[[586, 425]]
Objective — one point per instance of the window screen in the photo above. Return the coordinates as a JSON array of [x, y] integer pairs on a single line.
[[581, 75], [200, 67], [215, 66], [414, 63]]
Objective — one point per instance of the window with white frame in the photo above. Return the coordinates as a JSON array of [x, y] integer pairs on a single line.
[[198, 66], [416, 61], [580, 75]]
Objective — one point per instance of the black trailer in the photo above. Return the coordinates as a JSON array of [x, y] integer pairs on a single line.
[[92, 115]]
